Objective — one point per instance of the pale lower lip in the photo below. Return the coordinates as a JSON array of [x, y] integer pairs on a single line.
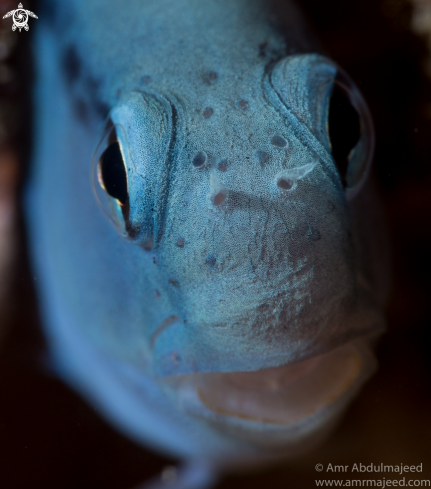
[[284, 395]]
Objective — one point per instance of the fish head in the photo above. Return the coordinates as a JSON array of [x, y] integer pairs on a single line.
[[242, 210]]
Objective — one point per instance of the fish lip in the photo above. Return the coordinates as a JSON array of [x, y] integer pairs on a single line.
[[186, 390]]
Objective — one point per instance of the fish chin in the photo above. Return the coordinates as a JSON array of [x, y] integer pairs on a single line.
[[281, 406]]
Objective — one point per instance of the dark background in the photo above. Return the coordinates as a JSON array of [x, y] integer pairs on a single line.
[[50, 438]]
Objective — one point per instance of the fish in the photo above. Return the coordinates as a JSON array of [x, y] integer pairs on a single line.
[[209, 249]]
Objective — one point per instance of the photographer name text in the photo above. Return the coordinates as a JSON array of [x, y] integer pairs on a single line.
[[399, 469]]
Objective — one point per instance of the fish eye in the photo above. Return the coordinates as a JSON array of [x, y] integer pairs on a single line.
[[350, 133], [344, 129], [112, 173], [110, 181]]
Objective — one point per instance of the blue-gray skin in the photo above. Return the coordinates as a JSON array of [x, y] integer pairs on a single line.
[[237, 249]]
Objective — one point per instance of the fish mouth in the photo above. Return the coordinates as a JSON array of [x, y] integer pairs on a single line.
[[299, 396]]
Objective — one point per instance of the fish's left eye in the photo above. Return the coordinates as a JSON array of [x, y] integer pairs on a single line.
[[110, 180], [350, 133]]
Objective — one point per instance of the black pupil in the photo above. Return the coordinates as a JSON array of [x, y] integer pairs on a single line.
[[344, 129], [114, 173]]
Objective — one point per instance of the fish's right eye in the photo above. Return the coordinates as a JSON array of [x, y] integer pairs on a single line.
[[112, 173], [110, 180]]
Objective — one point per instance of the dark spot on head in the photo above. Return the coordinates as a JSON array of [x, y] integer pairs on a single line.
[[285, 183], [242, 104], [262, 157], [279, 141], [180, 242], [208, 112], [146, 79], [156, 294], [118, 93], [222, 166], [210, 77], [219, 198], [173, 281], [175, 357], [71, 64], [210, 260], [199, 159], [155, 260]]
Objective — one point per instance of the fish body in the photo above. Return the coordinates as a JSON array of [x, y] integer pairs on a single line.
[[239, 268]]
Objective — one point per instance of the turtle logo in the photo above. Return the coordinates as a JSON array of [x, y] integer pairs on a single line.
[[20, 18]]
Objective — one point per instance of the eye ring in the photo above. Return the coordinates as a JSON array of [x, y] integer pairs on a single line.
[[361, 155], [113, 199]]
